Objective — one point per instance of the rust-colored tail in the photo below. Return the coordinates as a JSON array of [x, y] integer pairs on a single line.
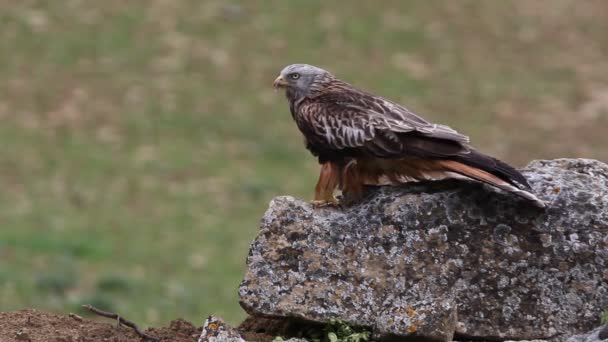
[[484, 176]]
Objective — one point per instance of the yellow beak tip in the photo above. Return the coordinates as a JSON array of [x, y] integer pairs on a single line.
[[278, 82]]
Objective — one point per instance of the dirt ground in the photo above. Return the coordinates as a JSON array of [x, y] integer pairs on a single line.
[[38, 326]]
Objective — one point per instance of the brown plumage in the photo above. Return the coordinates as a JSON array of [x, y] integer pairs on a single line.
[[361, 139]]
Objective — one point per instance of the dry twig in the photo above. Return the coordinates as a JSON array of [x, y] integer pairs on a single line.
[[120, 320], [75, 316]]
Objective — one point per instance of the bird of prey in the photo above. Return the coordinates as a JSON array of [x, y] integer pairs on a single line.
[[362, 139]]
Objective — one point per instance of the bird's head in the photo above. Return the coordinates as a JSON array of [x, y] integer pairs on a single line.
[[302, 79]]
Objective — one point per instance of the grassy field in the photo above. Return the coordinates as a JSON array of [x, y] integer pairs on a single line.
[[141, 140]]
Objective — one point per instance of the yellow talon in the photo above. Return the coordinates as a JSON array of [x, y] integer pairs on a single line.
[[325, 202]]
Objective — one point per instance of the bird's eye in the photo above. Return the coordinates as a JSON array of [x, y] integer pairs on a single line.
[[294, 76]]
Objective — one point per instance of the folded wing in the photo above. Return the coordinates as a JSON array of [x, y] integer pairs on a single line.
[[349, 120]]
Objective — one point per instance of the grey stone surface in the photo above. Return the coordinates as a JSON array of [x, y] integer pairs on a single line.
[[216, 330], [433, 259], [595, 335]]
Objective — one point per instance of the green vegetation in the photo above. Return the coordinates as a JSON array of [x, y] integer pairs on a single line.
[[604, 317], [334, 331], [142, 141]]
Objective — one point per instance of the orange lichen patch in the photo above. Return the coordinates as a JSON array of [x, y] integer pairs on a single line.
[[412, 328], [556, 190], [411, 312]]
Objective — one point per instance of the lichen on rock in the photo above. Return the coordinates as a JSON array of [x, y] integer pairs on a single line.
[[430, 260]]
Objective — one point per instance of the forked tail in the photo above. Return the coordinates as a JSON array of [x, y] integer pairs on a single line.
[[493, 172]]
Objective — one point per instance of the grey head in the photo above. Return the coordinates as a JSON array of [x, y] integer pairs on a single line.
[[302, 79]]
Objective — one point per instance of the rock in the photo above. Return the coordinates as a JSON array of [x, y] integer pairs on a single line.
[[594, 335], [216, 330], [434, 260]]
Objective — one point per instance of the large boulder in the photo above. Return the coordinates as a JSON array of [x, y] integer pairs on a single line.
[[431, 260]]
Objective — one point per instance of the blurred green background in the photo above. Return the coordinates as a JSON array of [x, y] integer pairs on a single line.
[[141, 141]]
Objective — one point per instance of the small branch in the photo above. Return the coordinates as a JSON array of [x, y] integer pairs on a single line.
[[120, 320], [75, 316]]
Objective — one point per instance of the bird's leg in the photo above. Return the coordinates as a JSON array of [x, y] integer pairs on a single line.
[[351, 183], [328, 180]]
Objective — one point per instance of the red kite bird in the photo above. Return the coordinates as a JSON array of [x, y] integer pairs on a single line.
[[361, 139]]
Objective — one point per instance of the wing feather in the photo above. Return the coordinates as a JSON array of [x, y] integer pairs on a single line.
[[398, 118], [402, 119], [342, 120]]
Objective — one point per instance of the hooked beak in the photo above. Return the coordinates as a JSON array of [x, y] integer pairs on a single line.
[[279, 82]]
